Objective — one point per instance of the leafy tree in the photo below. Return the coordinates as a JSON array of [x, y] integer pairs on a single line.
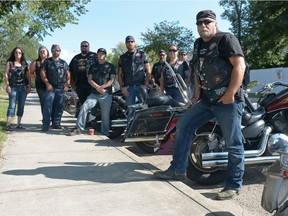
[[164, 34], [261, 27], [38, 17]]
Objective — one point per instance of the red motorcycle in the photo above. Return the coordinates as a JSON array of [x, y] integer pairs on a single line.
[[153, 131]]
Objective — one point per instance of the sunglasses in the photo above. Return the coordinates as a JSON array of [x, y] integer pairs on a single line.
[[84, 46], [173, 50], [17, 52], [183, 54], [205, 22], [57, 50], [130, 42]]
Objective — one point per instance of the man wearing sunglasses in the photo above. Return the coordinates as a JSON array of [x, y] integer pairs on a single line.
[[133, 74], [55, 74], [79, 67], [219, 66]]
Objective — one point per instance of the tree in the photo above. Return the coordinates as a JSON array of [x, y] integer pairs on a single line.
[[164, 34], [39, 17], [253, 22]]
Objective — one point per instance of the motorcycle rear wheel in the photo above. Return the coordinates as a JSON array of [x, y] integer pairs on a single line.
[[148, 147], [195, 171]]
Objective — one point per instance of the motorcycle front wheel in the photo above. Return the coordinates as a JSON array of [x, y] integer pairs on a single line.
[[195, 171]]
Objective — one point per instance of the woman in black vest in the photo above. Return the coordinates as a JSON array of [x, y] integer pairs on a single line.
[[18, 85]]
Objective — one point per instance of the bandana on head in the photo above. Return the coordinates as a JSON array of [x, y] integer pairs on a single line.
[[206, 14]]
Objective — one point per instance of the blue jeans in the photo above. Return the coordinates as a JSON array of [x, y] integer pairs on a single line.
[[41, 94], [53, 107], [17, 96], [229, 118], [105, 105], [134, 92]]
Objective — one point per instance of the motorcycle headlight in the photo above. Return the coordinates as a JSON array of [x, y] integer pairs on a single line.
[[278, 143]]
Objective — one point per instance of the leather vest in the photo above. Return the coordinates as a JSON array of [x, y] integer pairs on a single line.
[[215, 73], [56, 72], [133, 68], [17, 74]]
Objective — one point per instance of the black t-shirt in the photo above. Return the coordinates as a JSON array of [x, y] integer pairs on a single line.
[[79, 67], [101, 74]]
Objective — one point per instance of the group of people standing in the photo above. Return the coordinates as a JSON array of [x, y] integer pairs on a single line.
[[216, 71]]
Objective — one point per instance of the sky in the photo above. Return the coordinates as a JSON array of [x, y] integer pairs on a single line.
[[108, 22]]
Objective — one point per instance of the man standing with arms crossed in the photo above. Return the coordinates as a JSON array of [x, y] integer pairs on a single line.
[[219, 67], [133, 74]]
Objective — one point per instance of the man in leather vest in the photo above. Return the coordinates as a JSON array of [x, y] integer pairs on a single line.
[[219, 66], [133, 74], [56, 76]]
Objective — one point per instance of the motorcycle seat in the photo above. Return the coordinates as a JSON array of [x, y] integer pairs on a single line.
[[249, 118], [163, 100]]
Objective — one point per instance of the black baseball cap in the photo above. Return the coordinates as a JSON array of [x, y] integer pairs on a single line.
[[129, 38], [162, 52], [102, 50]]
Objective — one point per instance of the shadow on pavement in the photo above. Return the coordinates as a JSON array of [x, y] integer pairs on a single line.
[[111, 172]]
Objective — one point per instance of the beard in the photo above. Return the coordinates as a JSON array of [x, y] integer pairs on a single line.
[[84, 52]]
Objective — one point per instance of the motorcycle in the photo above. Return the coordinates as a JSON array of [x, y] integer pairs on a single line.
[[275, 192], [208, 156], [71, 102], [118, 115]]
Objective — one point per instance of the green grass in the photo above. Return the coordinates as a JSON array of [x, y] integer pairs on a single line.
[[3, 111]]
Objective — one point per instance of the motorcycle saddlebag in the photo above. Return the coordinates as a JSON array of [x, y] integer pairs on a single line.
[[150, 121]]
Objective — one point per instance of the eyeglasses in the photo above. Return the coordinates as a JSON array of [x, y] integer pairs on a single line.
[[84, 46], [18, 52], [173, 50], [130, 42], [57, 50], [205, 22]]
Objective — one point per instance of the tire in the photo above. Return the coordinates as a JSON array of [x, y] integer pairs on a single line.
[[195, 171], [148, 147], [70, 106], [114, 132]]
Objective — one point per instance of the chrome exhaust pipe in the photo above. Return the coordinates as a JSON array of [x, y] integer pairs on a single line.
[[156, 138], [251, 160], [248, 153], [117, 123]]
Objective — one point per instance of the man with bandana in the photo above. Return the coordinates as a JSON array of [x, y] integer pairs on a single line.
[[219, 66], [55, 74]]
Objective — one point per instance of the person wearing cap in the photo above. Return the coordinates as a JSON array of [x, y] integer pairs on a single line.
[[55, 74], [157, 68], [43, 53], [133, 74], [100, 77], [219, 66], [79, 68]]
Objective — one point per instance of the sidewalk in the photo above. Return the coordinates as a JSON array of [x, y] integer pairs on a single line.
[[54, 174]]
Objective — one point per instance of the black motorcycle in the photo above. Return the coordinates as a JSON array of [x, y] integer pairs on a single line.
[[118, 115]]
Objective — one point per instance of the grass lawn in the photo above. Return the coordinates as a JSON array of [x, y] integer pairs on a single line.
[[3, 111]]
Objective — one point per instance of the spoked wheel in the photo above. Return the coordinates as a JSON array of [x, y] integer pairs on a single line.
[[71, 106], [148, 147], [195, 171]]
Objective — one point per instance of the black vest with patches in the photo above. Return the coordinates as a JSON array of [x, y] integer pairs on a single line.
[[215, 73], [133, 68]]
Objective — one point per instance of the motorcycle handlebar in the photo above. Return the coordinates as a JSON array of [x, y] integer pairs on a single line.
[[270, 86]]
